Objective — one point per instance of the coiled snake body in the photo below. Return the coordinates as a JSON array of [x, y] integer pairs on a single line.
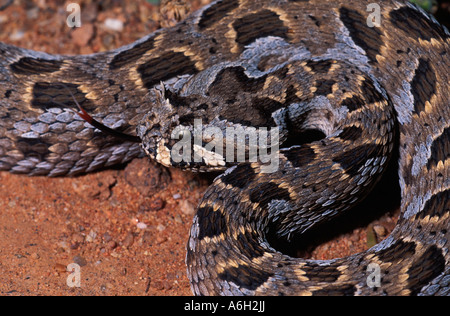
[[297, 65]]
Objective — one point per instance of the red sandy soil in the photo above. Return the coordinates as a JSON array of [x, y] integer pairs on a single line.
[[126, 228]]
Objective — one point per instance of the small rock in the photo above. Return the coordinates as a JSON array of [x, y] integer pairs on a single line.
[[63, 246], [178, 219], [109, 286], [91, 236], [107, 237], [157, 204], [116, 255], [161, 239], [114, 25], [158, 285], [59, 267], [17, 35], [380, 231], [141, 225], [35, 256], [147, 177], [80, 261], [152, 205], [75, 246], [33, 13], [100, 188], [187, 207], [147, 237], [77, 238], [108, 41], [111, 245], [167, 285], [128, 241]]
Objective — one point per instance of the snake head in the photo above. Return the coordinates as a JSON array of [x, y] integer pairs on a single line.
[[156, 127]]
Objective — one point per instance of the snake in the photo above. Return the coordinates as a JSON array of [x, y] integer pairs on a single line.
[[350, 86]]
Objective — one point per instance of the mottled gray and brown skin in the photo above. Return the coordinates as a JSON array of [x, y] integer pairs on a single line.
[[298, 65]]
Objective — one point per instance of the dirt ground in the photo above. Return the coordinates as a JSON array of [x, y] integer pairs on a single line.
[[126, 228]]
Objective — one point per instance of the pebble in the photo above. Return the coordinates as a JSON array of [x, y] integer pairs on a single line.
[[107, 286], [77, 238], [91, 236], [35, 256], [115, 255], [153, 205], [161, 285], [158, 285], [187, 208], [128, 241], [146, 237], [63, 246], [113, 25], [108, 41], [161, 239], [379, 230], [59, 267], [33, 14], [111, 245], [178, 219], [107, 237], [141, 225], [80, 261], [147, 177], [17, 36]]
